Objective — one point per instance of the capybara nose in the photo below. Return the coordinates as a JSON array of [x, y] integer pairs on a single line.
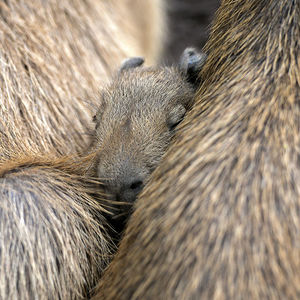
[[130, 188], [127, 183]]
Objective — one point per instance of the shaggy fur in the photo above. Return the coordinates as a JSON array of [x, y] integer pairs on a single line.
[[220, 216], [52, 242], [54, 57]]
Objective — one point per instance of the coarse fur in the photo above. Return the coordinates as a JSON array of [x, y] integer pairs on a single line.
[[220, 216], [136, 121], [53, 56], [53, 244]]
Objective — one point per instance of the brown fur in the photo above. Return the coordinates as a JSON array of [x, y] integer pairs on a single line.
[[136, 121], [132, 128], [220, 216], [52, 242], [53, 56]]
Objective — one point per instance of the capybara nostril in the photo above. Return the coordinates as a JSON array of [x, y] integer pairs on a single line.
[[136, 185], [130, 187]]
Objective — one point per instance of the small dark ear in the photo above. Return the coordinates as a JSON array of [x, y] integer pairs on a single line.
[[191, 63], [132, 62]]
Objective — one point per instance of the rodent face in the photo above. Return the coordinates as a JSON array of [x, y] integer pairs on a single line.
[[136, 120], [135, 124]]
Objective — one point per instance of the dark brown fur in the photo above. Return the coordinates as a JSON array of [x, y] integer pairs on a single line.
[[53, 56], [220, 216]]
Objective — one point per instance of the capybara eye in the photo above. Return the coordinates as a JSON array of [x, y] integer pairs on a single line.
[[175, 116], [172, 126]]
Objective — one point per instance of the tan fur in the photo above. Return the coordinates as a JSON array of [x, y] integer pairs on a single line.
[[132, 126], [54, 57], [53, 245], [139, 111], [220, 216], [132, 131], [150, 27]]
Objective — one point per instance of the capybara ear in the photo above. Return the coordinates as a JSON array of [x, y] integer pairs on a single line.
[[191, 63], [130, 63]]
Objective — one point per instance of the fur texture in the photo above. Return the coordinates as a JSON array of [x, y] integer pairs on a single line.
[[54, 57], [220, 216], [139, 112]]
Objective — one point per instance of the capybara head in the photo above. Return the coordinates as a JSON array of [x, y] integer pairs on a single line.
[[138, 114]]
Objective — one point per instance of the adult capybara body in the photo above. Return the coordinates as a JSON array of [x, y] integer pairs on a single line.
[[52, 243], [220, 216], [54, 56]]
